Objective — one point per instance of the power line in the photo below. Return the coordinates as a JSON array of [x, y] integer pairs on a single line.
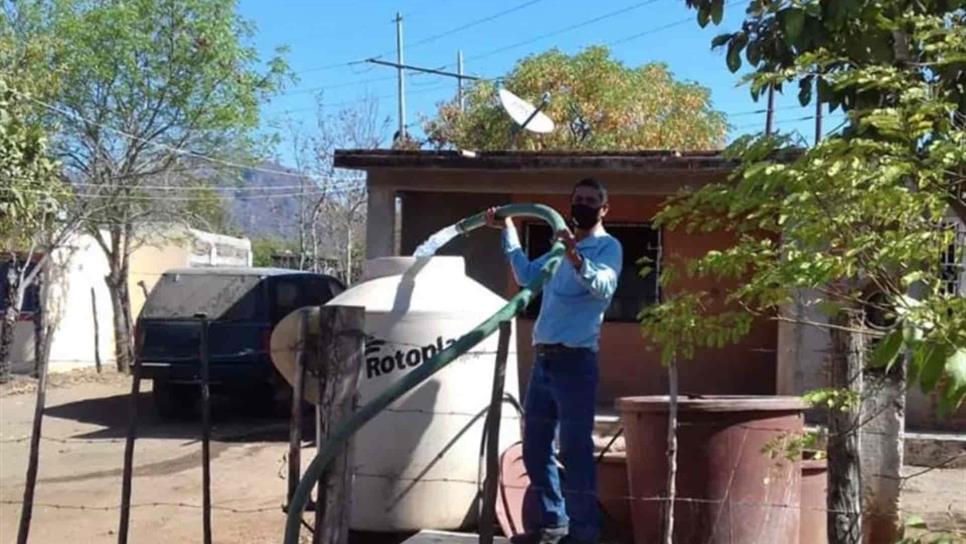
[[563, 30], [220, 188], [661, 28], [189, 198], [172, 149], [334, 187], [795, 120], [326, 67], [430, 39], [471, 24], [358, 100], [422, 70], [502, 49], [335, 86], [367, 27]]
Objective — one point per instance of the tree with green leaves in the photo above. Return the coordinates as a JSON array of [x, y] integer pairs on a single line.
[[32, 192], [858, 222], [263, 249], [154, 89], [600, 103]]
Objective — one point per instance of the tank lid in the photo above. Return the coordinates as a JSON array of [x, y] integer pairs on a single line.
[[711, 403], [397, 266]]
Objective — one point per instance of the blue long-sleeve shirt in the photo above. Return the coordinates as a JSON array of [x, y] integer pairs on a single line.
[[574, 301]]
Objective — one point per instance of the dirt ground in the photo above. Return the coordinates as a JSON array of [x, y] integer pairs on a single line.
[[81, 459]]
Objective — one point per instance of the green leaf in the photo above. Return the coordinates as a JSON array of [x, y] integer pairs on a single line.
[[704, 15], [887, 350], [717, 11], [825, 91], [734, 56], [950, 399], [721, 39], [915, 522], [753, 54], [911, 333], [933, 360], [829, 308], [793, 20], [956, 369], [805, 90]]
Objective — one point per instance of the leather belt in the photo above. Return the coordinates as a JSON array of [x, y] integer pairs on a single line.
[[554, 349]]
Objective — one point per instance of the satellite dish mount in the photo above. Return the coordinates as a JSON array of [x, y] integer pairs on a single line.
[[526, 115]]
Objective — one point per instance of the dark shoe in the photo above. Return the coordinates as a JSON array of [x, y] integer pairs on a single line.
[[543, 536]]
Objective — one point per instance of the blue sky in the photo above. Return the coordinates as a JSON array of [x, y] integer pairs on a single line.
[[325, 36]]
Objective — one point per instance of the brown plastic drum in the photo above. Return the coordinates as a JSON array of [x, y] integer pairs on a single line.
[[814, 487], [612, 491], [729, 490]]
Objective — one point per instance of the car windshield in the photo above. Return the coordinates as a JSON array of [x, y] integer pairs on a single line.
[[222, 297]]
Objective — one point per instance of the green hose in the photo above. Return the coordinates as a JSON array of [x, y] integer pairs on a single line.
[[348, 427]]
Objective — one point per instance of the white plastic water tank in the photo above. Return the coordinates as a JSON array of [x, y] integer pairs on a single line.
[[416, 464]]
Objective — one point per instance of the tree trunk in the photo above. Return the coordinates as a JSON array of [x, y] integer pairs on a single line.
[[348, 255], [43, 339], [9, 321], [40, 339], [120, 302], [672, 451], [844, 467]]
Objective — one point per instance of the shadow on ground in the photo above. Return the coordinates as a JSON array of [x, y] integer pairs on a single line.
[[232, 420]]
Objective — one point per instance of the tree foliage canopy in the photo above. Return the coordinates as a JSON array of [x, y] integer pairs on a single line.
[[153, 89], [31, 190], [597, 102], [862, 218], [149, 89]]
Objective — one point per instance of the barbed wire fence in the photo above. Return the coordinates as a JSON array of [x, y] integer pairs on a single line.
[[399, 478], [483, 352]]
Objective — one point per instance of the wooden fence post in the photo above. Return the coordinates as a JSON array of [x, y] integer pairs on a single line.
[[295, 424], [492, 426], [26, 511], [126, 475], [205, 430], [341, 351], [97, 333]]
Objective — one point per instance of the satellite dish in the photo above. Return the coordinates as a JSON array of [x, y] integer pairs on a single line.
[[525, 114]]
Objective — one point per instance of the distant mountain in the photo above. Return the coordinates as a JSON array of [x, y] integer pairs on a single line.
[[263, 203]]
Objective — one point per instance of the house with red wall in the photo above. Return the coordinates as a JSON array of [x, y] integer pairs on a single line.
[[412, 194]]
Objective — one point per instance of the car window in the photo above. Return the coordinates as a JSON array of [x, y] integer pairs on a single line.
[[287, 296], [221, 297], [291, 293]]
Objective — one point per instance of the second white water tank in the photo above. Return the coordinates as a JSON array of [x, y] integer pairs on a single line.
[[416, 464]]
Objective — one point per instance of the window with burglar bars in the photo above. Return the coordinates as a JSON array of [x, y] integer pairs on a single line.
[[634, 291], [954, 262]]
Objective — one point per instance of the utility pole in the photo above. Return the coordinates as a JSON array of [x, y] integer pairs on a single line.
[[401, 68], [459, 80], [818, 114], [770, 113], [401, 77]]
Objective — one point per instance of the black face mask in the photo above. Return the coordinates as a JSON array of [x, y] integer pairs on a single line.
[[584, 216]]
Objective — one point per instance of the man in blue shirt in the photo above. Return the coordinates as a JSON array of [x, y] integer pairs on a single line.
[[563, 383]]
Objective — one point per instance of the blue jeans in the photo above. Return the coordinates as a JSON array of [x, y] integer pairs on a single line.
[[562, 391]]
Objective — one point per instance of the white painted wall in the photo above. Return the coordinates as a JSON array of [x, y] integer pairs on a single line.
[[82, 266]]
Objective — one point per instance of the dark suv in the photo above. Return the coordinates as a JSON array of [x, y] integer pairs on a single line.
[[242, 305]]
